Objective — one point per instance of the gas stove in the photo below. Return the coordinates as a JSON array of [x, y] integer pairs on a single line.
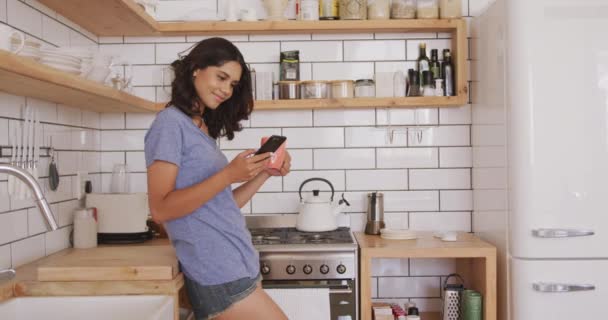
[[287, 254], [290, 236], [292, 259]]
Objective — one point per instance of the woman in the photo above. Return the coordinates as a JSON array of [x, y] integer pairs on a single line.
[[189, 183]]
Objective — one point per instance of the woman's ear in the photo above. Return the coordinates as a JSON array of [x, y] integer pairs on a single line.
[[195, 73]]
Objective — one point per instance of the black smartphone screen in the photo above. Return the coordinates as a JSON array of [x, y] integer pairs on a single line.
[[271, 145]]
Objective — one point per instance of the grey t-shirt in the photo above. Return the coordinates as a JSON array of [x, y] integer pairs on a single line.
[[212, 243]]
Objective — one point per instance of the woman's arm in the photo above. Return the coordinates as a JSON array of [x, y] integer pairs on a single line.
[[166, 203], [244, 192]]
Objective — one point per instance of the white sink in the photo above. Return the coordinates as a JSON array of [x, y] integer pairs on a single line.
[[89, 308]]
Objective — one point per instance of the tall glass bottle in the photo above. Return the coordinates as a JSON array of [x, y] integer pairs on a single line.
[[422, 63], [434, 65], [447, 70]]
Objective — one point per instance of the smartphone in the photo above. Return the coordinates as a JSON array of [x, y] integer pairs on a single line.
[[272, 144]]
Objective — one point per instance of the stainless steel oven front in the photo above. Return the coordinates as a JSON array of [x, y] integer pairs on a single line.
[[342, 294]]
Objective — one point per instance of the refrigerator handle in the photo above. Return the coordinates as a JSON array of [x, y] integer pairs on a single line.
[[561, 287], [561, 233]]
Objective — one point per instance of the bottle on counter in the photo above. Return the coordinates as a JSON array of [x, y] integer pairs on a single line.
[[252, 77], [85, 228], [422, 63], [447, 70]]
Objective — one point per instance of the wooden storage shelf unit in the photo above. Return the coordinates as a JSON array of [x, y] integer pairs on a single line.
[[126, 18], [26, 77], [475, 262]]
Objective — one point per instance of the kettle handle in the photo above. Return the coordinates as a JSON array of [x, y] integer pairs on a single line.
[[317, 179]]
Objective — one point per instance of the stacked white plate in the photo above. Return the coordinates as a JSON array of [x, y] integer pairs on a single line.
[[61, 61], [31, 49], [397, 234]]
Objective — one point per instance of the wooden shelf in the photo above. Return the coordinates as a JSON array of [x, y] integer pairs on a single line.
[[359, 103], [475, 262], [126, 18], [26, 77]]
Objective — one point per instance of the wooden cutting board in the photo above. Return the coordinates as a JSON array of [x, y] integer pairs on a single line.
[[111, 264]]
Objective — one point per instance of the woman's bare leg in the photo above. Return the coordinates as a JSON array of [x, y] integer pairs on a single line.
[[256, 306]]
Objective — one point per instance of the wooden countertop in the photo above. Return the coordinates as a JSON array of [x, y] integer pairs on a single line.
[[147, 268], [426, 246]]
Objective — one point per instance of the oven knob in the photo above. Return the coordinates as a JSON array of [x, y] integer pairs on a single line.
[[341, 269], [265, 269], [291, 269], [324, 269], [307, 269]]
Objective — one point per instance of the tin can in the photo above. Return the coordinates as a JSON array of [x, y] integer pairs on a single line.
[[328, 10]]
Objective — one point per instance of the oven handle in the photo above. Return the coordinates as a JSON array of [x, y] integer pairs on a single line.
[[333, 289]]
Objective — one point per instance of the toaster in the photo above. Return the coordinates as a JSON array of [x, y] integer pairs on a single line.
[[120, 213]]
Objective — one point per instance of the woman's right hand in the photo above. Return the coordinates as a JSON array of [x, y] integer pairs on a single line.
[[245, 166]]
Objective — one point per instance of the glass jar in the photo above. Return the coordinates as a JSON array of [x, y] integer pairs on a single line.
[[342, 89], [314, 89], [403, 9], [449, 9], [309, 10], [365, 88], [378, 9], [328, 10], [427, 9], [353, 9]]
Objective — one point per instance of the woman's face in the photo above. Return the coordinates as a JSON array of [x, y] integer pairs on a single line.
[[215, 85]]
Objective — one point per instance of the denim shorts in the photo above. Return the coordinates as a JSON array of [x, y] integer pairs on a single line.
[[209, 301]]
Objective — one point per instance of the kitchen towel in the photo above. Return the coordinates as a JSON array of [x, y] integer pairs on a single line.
[[302, 304]]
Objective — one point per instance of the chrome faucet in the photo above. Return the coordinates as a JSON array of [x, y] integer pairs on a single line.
[[45, 210], [27, 178]]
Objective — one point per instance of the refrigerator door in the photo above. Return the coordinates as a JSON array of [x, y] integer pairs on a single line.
[[557, 86], [559, 290]]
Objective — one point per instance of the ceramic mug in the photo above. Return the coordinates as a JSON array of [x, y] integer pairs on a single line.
[[6, 33]]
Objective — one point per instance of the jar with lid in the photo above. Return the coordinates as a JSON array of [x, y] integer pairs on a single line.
[[342, 89], [449, 9], [328, 10], [309, 10], [85, 228], [403, 9], [378, 9], [365, 88], [428, 9], [314, 89], [353, 9]]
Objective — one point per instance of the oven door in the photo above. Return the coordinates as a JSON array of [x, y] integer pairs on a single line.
[[342, 294]]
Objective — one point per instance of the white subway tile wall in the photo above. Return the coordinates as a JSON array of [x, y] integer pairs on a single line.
[[426, 178]]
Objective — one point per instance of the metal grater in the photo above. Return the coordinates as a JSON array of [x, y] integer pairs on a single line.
[[451, 298]]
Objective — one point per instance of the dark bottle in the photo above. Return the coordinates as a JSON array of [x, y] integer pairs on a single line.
[[447, 70], [413, 83], [422, 63], [434, 65]]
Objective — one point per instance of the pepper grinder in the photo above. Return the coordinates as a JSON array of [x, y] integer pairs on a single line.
[[375, 213]]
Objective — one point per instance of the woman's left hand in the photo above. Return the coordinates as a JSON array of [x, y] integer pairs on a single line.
[[285, 168]]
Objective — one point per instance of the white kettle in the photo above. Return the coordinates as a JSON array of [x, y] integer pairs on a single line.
[[317, 214]]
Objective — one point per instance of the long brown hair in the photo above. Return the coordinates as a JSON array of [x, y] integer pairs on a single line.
[[225, 119]]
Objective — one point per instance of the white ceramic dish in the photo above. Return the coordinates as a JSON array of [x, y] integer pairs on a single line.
[[397, 234]]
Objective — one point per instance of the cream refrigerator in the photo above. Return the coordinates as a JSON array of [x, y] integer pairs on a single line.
[[548, 61]]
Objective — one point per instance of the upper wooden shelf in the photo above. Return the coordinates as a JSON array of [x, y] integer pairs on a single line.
[[26, 77], [126, 18]]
